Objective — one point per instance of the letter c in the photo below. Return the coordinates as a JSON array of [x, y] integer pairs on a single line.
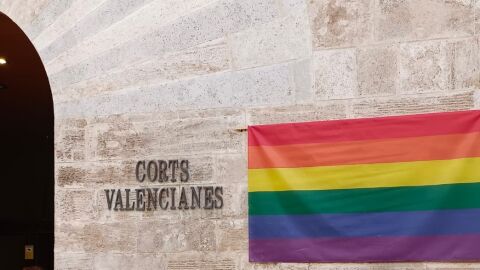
[[137, 171]]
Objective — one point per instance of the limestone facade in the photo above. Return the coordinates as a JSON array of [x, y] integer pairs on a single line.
[[181, 79]]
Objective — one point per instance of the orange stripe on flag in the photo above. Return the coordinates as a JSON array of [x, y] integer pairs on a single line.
[[365, 152]]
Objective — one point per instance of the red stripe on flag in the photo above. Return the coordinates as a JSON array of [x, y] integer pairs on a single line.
[[365, 129]]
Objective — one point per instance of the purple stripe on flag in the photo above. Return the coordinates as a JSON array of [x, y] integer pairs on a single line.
[[367, 249]]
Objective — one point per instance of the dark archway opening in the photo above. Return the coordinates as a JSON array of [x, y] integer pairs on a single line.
[[26, 152]]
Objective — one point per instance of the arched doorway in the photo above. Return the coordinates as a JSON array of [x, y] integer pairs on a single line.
[[26, 152]]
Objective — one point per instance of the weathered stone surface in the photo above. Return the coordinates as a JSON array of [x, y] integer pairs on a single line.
[[113, 261], [476, 99], [413, 104], [235, 198], [95, 174], [103, 16], [65, 22], [74, 205], [424, 67], [245, 88], [243, 264], [177, 137], [477, 17], [209, 23], [377, 71], [303, 79], [335, 74], [150, 261], [230, 169], [207, 113], [453, 266], [210, 57], [70, 140], [200, 235], [98, 32], [95, 238], [74, 261], [268, 85], [465, 69], [297, 113], [24, 12], [232, 234], [201, 261], [160, 237], [49, 12], [281, 40], [340, 23], [422, 19]]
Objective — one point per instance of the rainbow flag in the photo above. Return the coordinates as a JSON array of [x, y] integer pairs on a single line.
[[402, 188]]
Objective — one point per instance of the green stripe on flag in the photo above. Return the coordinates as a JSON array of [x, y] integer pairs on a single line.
[[452, 196]]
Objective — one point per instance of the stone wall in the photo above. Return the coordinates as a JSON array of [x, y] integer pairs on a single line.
[[178, 79]]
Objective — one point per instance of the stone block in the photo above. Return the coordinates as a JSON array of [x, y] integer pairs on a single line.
[[278, 41], [477, 17], [23, 13], [95, 237], [296, 113], [114, 261], [49, 12], [465, 69], [244, 264], [70, 140], [207, 58], [108, 14], [413, 104], [201, 261], [232, 235], [261, 86], [74, 205], [303, 78], [66, 21], [340, 23], [453, 266], [206, 24], [200, 235], [230, 169], [127, 140], [476, 99], [162, 237], [150, 261], [424, 67], [246, 88], [377, 70], [335, 74], [422, 19], [235, 198], [73, 261], [394, 20], [208, 113], [95, 174]]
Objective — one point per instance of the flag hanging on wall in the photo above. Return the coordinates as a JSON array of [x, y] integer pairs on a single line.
[[402, 188]]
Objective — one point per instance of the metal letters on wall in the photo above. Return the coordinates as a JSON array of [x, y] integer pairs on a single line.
[[157, 172]]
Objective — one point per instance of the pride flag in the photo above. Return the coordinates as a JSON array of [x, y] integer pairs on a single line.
[[402, 188]]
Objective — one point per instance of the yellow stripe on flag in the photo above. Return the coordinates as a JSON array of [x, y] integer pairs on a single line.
[[419, 173]]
